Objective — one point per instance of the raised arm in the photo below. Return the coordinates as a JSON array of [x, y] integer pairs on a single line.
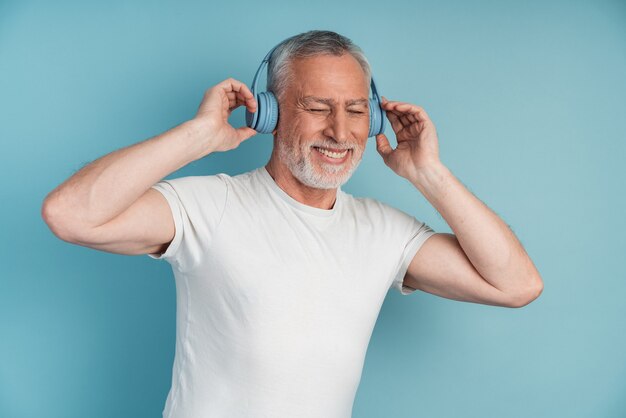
[[108, 205], [483, 261]]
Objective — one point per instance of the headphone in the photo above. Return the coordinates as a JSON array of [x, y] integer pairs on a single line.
[[264, 120]]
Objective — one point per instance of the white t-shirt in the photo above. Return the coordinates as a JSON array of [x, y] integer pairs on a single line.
[[277, 300]]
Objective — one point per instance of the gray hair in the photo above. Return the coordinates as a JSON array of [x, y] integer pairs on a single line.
[[308, 44]]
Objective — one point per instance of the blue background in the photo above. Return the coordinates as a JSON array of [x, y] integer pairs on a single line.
[[528, 101]]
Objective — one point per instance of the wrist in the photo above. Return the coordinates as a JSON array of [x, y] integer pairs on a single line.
[[199, 137], [431, 179]]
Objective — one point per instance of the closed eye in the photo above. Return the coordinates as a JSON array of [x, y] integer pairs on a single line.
[[356, 112]]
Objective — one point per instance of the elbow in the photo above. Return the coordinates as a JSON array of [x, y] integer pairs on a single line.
[[52, 215], [534, 290]]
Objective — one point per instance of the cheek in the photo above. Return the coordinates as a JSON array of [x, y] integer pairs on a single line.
[[362, 143], [310, 124], [301, 131], [363, 132], [290, 125], [364, 127]]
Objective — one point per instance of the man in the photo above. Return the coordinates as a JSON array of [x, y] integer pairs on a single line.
[[280, 275]]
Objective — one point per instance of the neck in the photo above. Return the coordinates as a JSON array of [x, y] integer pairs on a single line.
[[311, 196]]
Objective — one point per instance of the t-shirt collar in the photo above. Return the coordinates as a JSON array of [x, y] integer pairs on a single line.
[[267, 178]]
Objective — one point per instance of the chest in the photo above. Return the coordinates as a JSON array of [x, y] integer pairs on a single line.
[[306, 270]]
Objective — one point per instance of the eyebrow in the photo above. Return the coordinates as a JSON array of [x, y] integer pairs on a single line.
[[330, 102]]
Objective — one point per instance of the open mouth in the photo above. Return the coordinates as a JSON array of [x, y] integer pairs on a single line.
[[332, 156]]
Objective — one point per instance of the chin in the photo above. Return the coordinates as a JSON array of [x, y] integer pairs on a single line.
[[309, 170], [316, 176]]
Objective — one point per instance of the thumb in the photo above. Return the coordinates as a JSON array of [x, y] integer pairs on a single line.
[[382, 146], [244, 133]]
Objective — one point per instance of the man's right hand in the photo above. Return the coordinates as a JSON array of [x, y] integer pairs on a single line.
[[217, 105]]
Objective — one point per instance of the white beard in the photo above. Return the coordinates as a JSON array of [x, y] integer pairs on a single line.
[[300, 163]]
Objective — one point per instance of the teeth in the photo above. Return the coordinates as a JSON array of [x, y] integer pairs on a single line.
[[332, 154]]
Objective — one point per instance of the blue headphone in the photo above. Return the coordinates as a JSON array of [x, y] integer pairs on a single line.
[[264, 120]]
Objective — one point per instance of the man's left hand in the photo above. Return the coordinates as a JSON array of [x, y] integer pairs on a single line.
[[418, 146]]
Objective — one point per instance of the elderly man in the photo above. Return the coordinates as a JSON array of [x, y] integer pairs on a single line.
[[280, 275]]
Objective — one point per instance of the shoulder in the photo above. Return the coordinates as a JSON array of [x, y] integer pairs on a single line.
[[198, 181], [196, 184], [196, 191], [374, 208], [379, 215]]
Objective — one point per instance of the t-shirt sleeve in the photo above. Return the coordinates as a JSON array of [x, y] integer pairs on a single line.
[[197, 204], [416, 233]]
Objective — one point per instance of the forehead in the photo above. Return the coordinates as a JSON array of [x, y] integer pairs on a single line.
[[329, 76]]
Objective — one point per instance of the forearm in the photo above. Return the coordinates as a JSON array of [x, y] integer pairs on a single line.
[[488, 242], [109, 185]]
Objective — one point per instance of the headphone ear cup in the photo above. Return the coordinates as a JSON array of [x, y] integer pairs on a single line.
[[377, 118], [265, 118]]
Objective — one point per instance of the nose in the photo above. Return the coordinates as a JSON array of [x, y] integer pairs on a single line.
[[338, 126]]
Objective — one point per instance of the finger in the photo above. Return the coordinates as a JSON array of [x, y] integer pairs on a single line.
[[409, 114], [410, 117], [417, 111], [406, 114], [405, 120], [231, 84], [393, 107], [403, 107], [382, 146], [244, 133], [232, 99], [396, 125], [241, 90], [400, 116], [386, 104], [389, 102], [234, 95], [236, 99]]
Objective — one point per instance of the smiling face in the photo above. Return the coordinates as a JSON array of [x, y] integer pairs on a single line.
[[324, 120]]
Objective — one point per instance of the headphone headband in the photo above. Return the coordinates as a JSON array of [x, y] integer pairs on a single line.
[[265, 119], [265, 61]]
